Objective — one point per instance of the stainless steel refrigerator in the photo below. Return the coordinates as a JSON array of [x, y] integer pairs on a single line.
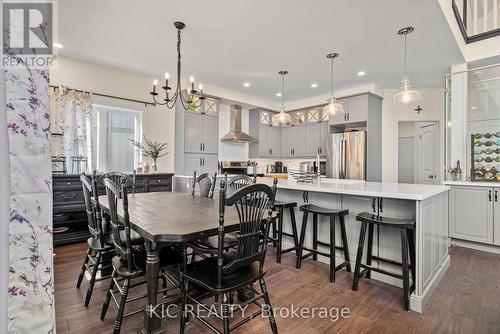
[[346, 155]]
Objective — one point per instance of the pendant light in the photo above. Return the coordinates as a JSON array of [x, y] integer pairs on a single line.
[[406, 95], [333, 107], [282, 117]]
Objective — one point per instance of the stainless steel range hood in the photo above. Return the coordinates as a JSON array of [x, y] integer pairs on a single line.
[[235, 134]]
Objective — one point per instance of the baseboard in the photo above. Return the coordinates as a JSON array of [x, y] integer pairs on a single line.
[[475, 245], [417, 303]]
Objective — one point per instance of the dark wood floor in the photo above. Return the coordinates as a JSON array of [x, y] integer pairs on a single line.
[[467, 300]]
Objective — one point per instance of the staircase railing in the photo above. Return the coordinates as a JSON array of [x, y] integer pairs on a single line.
[[477, 19]]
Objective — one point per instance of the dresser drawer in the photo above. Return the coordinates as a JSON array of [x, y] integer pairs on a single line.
[[68, 197], [160, 181], [154, 189], [67, 183]]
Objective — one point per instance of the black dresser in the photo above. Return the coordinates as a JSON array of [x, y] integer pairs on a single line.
[[69, 219]]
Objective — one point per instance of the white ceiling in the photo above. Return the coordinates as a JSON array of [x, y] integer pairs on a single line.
[[229, 42]]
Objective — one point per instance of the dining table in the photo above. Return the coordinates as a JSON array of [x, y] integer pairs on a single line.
[[169, 218]]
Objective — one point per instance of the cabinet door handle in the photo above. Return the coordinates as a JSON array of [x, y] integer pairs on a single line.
[[489, 195], [496, 195], [70, 196], [373, 204], [200, 161], [380, 205], [201, 147]]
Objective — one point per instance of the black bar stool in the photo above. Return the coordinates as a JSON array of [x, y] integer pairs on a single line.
[[281, 207], [407, 227], [316, 210]]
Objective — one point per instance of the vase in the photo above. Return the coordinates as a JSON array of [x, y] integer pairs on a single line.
[[154, 167]]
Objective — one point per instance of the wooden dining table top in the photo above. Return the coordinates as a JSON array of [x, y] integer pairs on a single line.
[[174, 216]]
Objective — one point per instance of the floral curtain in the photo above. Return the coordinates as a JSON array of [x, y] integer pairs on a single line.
[[31, 278], [71, 114]]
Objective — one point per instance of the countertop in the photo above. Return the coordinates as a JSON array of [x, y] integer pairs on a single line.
[[417, 192], [473, 184]]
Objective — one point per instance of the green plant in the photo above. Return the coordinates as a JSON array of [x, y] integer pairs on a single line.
[[151, 149]]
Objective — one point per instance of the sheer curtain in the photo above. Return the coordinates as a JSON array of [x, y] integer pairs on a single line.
[[71, 117]]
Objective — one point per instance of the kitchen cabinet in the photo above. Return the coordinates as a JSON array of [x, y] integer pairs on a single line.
[[267, 134], [471, 213], [201, 134], [325, 131], [355, 110], [496, 216], [338, 118], [201, 163], [317, 135], [294, 141]]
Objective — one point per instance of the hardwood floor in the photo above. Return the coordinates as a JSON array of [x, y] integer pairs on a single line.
[[466, 301]]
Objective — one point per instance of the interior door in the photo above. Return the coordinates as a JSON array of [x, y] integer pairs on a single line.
[[428, 154], [194, 132], [406, 159], [210, 134], [355, 155]]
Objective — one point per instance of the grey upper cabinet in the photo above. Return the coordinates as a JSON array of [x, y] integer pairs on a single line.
[[264, 136], [325, 130], [286, 141], [471, 213], [313, 139], [266, 133], [210, 135], [340, 118], [496, 217], [275, 141], [299, 139], [194, 133], [357, 108], [202, 135]]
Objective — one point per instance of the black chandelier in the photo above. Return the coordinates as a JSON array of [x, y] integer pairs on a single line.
[[191, 98]]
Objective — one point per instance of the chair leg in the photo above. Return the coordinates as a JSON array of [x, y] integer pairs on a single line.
[[184, 291], [332, 249], [84, 267], [369, 250], [95, 269], [280, 235], [294, 228], [275, 233], [108, 296], [315, 236], [225, 313], [121, 307], [359, 256], [345, 245], [267, 301], [302, 237], [411, 245], [406, 274]]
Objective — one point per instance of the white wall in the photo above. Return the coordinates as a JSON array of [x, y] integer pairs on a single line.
[[158, 122], [228, 150], [433, 110]]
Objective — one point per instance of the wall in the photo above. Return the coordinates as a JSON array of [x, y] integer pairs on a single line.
[[4, 209], [158, 122], [433, 110]]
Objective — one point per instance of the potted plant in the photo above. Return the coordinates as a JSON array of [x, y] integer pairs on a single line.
[[151, 149]]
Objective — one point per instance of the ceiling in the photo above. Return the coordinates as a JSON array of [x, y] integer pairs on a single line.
[[229, 42]]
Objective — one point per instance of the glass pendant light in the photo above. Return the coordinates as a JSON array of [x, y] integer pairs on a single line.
[[282, 117], [406, 95], [333, 107]]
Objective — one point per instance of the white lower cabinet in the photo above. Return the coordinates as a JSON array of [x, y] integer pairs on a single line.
[[471, 215], [201, 163], [496, 217]]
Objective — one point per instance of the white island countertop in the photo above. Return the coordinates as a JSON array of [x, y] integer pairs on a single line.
[[473, 184], [417, 192]]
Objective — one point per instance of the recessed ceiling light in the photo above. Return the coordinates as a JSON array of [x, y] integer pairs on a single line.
[[473, 108], [314, 85], [278, 94], [246, 84], [361, 73], [58, 45]]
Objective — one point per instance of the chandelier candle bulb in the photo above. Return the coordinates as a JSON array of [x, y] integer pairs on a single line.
[[155, 82]]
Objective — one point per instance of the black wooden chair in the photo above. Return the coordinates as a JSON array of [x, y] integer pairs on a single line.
[[237, 182], [228, 272], [130, 262], [97, 247], [206, 183]]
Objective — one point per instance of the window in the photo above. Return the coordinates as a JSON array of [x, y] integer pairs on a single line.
[[112, 131]]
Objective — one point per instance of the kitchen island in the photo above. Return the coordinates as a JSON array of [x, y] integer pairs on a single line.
[[427, 204]]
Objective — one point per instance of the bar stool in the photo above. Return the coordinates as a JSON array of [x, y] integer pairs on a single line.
[[407, 227], [281, 207], [316, 210]]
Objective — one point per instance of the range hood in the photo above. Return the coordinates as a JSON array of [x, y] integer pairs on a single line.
[[235, 134]]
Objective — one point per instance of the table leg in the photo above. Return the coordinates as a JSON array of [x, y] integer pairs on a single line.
[[152, 315]]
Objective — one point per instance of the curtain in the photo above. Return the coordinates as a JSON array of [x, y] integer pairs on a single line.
[[71, 125]]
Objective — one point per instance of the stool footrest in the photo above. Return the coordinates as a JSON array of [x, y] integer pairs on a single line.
[[287, 234], [291, 249], [393, 262], [326, 244], [382, 271]]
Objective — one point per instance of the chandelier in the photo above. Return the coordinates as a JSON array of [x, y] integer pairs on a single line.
[[406, 95], [333, 106], [282, 117], [189, 98]]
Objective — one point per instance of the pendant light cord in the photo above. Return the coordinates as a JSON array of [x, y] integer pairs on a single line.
[[405, 58], [283, 92], [331, 80]]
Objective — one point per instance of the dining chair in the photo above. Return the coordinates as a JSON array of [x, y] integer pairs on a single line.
[[225, 273], [97, 246], [206, 183], [129, 265], [239, 181]]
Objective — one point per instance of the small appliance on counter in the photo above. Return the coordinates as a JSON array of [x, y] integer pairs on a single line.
[[239, 167], [278, 167]]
